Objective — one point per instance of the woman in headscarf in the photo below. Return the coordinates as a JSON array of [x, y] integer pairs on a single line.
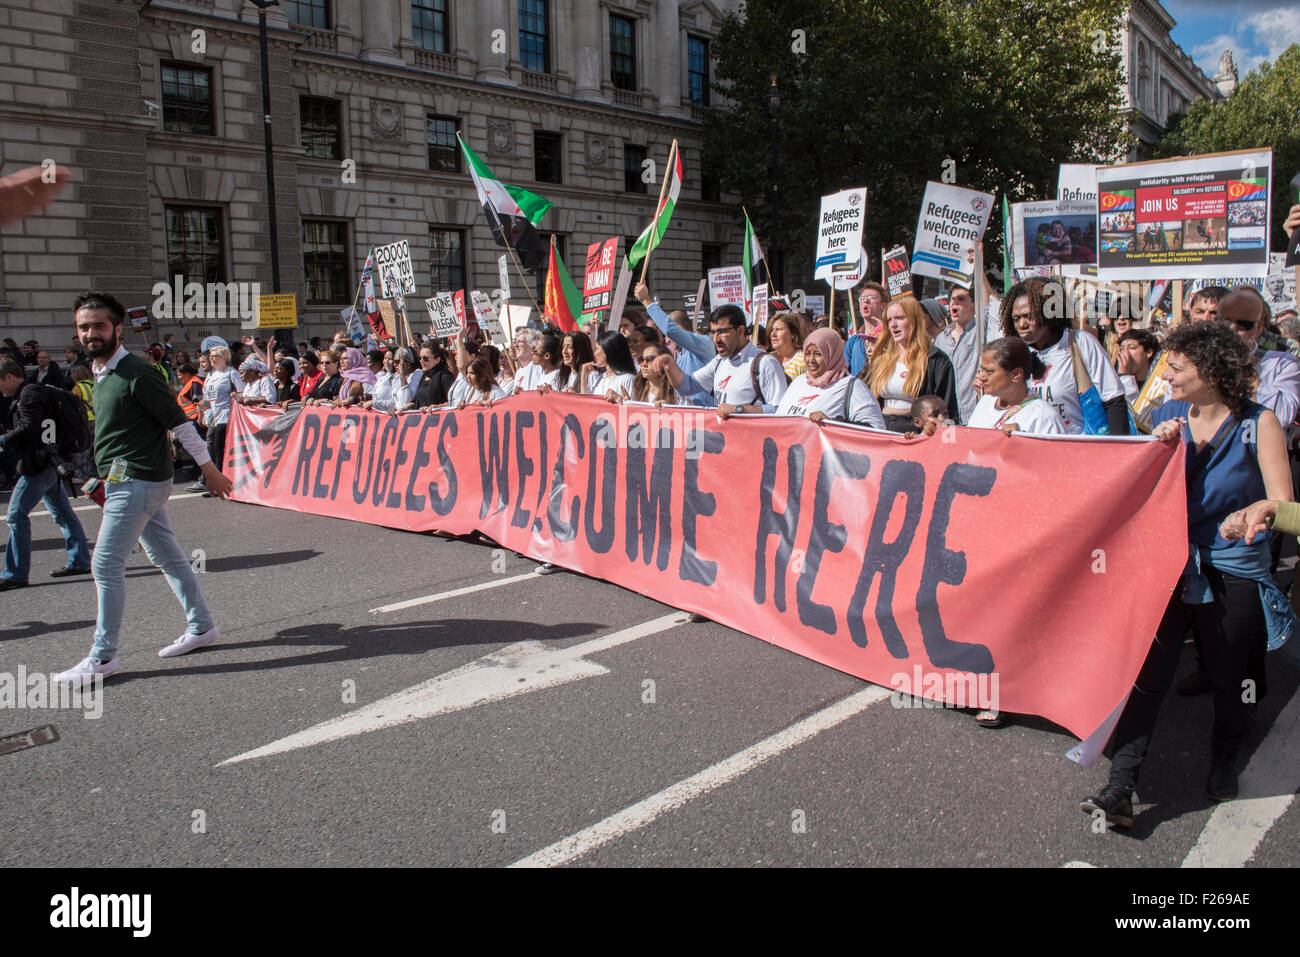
[[357, 377], [826, 390], [259, 389]]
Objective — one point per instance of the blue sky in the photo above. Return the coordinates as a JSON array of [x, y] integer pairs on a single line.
[[1254, 30]]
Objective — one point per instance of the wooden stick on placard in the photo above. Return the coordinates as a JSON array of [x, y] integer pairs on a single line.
[[511, 250], [853, 316], [699, 303], [831, 316], [884, 280], [981, 297], [654, 224], [1178, 303]]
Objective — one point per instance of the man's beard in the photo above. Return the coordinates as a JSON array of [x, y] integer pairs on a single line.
[[104, 350]]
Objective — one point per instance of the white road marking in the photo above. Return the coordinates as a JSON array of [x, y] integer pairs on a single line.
[[454, 593], [514, 670], [644, 812], [93, 507], [1267, 788]]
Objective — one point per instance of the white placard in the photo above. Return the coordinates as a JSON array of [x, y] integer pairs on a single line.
[[487, 317], [727, 285], [442, 315], [847, 280], [396, 275], [815, 304], [503, 268], [840, 224], [950, 226], [1077, 183], [760, 304]]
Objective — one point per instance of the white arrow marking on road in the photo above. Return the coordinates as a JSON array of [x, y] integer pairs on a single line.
[[1267, 788], [645, 811], [514, 670]]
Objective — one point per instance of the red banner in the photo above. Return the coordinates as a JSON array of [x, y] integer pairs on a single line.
[[1042, 565]]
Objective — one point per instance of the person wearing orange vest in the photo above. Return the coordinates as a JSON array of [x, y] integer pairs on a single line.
[[191, 391]]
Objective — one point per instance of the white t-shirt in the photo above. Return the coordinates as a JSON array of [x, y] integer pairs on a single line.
[[617, 382], [527, 378], [217, 388], [460, 391], [1034, 415], [1058, 388], [551, 378], [896, 399], [804, 398], [263, 388]]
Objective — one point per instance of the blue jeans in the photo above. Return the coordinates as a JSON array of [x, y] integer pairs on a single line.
[[30, 490], [136, 509]]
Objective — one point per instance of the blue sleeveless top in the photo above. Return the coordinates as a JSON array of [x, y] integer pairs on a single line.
[[1229, 481]]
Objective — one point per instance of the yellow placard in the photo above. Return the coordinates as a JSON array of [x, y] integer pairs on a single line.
[[277, 311]]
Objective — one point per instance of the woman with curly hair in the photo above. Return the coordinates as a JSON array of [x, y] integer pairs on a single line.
[[1030, 313], [906, 364], [1236, 455]]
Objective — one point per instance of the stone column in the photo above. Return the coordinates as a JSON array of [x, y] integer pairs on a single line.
[[588, 20], [492, 16], [666, 55], [377, 31]]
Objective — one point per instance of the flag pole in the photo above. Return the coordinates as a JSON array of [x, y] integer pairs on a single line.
[[510, 248], [362, 280], [654, 224], [762, 255]]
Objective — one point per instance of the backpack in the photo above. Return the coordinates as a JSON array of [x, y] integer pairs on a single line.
[[71, 425]]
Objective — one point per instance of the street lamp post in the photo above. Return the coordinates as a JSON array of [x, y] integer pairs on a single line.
[[772, 103], [262, 7]]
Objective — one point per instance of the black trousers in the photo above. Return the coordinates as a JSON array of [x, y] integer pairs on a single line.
[[217, 445], [1230, 629]]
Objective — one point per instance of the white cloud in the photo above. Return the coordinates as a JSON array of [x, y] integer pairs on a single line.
[[1266, 29]]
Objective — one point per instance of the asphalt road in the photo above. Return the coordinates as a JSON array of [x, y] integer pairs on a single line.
[[668, 744]]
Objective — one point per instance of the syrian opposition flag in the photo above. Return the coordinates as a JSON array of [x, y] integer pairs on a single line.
[[562, 302], [654, 233], [511, 211], [369, 305]]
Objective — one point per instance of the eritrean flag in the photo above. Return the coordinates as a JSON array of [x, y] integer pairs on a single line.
[[562, 302], [1247, 189], [1116, 202]]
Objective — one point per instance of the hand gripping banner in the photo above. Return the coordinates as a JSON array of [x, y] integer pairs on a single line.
[[920, 564]]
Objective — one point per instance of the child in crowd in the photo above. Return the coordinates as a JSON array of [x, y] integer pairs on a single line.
[[928, 413]]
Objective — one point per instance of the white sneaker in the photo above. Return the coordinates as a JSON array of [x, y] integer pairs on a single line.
[[187, 643], [83, 673]]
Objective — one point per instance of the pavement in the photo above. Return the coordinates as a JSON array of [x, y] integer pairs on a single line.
[[381, 697]]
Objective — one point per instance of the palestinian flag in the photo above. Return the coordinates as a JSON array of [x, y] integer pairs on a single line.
[[646, 242], [369, 305], [510, 210], [562, 303], [1115, 202]]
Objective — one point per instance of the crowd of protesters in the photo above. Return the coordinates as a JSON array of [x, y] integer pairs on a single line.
[[1225, 382]]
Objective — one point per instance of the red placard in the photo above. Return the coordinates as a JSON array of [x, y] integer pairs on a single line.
[[598, 280]]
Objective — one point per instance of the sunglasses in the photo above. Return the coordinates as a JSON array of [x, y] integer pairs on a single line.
[[1245, 325]]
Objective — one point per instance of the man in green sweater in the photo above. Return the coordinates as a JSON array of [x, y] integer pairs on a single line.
[[134, 410]]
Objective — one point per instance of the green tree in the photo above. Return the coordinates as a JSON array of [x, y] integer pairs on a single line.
[[886, 93], [1262, 113]]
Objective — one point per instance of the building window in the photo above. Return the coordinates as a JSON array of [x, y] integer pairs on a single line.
[[308, 13], [633, 158], [534, 39], [320, 127], [697, 69], [325, 261], [546, 157], [622, 52], [711, 256], [429, 24], [710, 189], [194, 244], [444, 149], [446, 260], [187, 99]]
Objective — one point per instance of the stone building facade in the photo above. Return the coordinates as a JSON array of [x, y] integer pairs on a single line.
[[1162, 79], [155, 107]]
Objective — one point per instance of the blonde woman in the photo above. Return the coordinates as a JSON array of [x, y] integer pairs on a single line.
[[786, 335], [221, 384], [906, 364]]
